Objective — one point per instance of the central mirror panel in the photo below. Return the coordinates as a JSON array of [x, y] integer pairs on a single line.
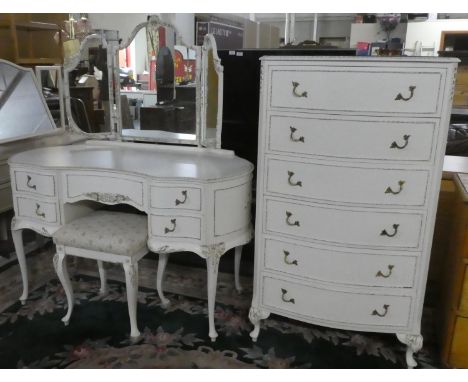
[[158, 86]]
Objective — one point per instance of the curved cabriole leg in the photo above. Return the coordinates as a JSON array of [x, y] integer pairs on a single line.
[[237, 260], [103, 277], [212, 263], [255, 315], [131, 281], [60, 266], [163, 257], [17, 236], [414, 343]]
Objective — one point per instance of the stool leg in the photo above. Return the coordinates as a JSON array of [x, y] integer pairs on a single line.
[[17, 235], [60, 265], [131, 281], [237, 260], [163, 257], [103, 277]]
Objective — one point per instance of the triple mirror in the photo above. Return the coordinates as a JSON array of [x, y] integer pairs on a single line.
[[163, 90]]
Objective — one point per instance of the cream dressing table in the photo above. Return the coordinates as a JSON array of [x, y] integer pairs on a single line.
[[197, 199]]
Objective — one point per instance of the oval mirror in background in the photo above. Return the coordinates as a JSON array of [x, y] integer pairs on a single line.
[[89, 95], [212, 99], [158, 86]]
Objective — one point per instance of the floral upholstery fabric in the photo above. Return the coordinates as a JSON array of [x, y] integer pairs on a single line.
[[113, 232]]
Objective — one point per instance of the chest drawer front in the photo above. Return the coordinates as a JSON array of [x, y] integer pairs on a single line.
[[105, 188], [185, 198], [338, 225], [405, 140], [336, 306], [347, 184], [340, 89], [4, 172], [34, 183], [176, 226], [340, 267], [37, 210]]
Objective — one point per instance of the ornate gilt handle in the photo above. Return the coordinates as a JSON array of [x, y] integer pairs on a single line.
[[390, 269], [41, 214], [375, 313], [283, 293], [395, 145], [395, 229], [288, 222], [389, 190], [167, 230], [400, 96], [296, 94], [177, 201], [290, 175], [286, 254], [291, 136], [33, 186]]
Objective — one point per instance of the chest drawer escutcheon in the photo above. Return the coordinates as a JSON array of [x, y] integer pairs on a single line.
[[174, 224], [295, 92], [291, 136], [390, 269], [395, 145], [400, 96], [376, 313], [389, 189], [291, 183], [288, 222], [286, 254], [184, 194], [283, 296], [38, 213], [395, 231]]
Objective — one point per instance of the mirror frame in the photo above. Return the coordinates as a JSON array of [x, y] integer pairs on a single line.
[[55, 130], [58, 69], [209, 44], [175, 138], [109, 40]]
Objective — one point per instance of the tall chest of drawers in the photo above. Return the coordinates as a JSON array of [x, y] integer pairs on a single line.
[[349, 169]]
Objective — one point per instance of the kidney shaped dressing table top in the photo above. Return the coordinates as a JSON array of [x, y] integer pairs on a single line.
[[196, 199]]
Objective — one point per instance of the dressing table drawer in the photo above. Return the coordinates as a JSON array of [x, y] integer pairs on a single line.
[[348, 184], [347, 89], [185, 198], [336, 306], [105, 188], [35, 183], [334, 266], [176, 226], [37, 210], [339, 225], [352, 137]]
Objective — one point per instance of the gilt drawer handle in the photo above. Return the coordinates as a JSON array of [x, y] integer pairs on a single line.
[[400, 96], [295, 85], [33, 186], [395, 231], [286, 254], [177, 201], [290, 175], [288, 222], [375, 313], [390, 269], [291, 136], [390, 191], [167, 230], [395, 145], [41, 214], [284, 291]]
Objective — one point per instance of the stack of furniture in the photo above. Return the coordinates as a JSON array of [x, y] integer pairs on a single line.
[[350, 163]]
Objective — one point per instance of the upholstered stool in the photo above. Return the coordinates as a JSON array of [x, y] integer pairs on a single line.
[[109, 236]]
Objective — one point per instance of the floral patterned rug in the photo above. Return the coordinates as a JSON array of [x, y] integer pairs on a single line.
[[32, 336]]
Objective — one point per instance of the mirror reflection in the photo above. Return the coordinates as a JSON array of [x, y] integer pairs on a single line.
[[158, 86], [50, 81], [89, 88]]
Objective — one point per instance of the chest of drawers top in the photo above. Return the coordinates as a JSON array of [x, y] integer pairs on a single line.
[[370, 86]]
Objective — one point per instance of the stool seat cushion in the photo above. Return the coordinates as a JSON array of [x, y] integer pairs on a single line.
[[112, 232]]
